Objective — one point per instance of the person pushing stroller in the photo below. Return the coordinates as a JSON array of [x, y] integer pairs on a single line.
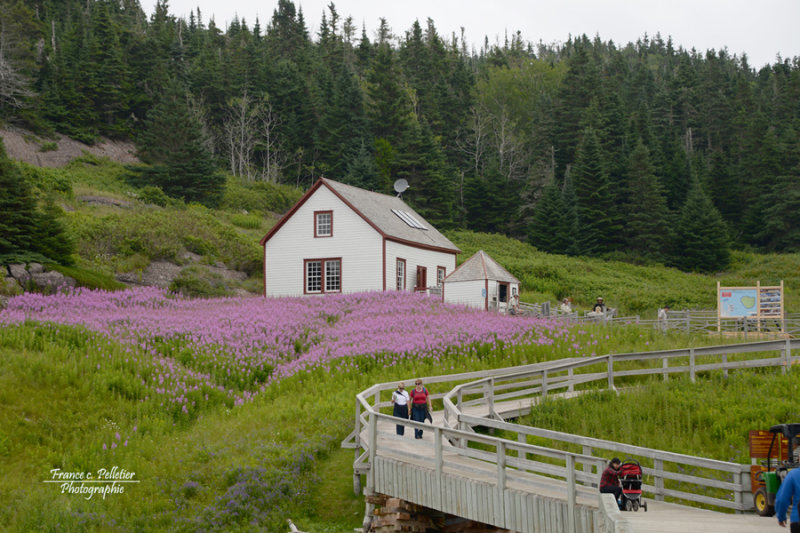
[[610, 482]]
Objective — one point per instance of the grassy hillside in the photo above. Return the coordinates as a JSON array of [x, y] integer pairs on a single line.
[[633, 289], [81, 397], [119, 228], [139, 390]]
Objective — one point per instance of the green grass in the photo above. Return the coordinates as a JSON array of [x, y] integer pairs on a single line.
[[633, 289], [66, 392], [709, 418]]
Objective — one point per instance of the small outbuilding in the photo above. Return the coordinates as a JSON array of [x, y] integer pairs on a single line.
[[481, 282]]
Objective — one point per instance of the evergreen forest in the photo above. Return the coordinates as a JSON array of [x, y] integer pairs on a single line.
[[643, 152]]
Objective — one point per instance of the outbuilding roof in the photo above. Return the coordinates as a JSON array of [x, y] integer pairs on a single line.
[[481, 267], [389, 215]]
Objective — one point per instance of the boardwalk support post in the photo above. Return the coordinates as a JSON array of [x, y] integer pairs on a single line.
[[501, 474], [373, 443], [437, 447], [571, 493], [658, 466]]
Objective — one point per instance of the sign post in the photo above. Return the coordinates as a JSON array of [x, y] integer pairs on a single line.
[[746, 303]]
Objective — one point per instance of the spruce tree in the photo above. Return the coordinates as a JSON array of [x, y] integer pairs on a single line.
[[647, 225], [27, 233], [17, 209], [549, 220], [174, 145], [781, 231], [362, 170], [595, 202], [701, 237]]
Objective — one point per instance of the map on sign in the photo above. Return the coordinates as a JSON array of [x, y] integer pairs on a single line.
[[735, 303]]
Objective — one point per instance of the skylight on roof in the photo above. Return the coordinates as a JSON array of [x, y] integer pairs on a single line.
[[409, 219]]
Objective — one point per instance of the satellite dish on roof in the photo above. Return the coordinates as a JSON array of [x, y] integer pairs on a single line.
[[400, 186]]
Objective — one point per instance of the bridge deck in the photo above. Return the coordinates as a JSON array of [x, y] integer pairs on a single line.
[[411, 456]]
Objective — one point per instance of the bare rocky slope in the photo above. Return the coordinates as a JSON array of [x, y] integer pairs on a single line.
[[22, 145]]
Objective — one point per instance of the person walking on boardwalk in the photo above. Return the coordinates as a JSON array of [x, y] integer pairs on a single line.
[[421, 404], [609, 481], [400, 400], [789, 494]]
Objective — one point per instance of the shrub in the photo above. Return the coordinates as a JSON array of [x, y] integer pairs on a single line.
[[247, 221], [259, 196], [198, 282], [153, 195]]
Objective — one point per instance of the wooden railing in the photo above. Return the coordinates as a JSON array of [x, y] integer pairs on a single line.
[[501, 463], [528, 388], [512, 392], [687, 321]]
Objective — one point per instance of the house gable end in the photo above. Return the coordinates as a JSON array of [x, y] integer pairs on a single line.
[[320, 182]]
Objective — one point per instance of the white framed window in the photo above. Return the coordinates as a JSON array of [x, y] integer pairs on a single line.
[[441, 273], [323, 223], [323, 275], [401, 274], [333, 276]]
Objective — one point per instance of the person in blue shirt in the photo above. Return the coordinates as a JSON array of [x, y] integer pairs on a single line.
[[789, 493]]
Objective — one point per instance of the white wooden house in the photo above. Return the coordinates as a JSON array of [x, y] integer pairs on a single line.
[[340, 238], [481, 282]]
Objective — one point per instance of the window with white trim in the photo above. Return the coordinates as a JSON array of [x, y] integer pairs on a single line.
[[401, 274], [323, 223], [333, 276], [323, 275], [440, 275]]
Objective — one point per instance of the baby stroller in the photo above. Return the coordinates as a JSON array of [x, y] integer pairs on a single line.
[[630, 474]]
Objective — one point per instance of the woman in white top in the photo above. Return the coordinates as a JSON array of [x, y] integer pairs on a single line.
[[400, 401]]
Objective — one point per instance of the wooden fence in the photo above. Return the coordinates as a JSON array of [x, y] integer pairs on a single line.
[[528, 388], [484, 478], [686, 320], [488, 398]]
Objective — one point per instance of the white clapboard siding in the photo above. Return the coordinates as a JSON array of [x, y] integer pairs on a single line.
[[415, 256], [466, 292], [354, 240]]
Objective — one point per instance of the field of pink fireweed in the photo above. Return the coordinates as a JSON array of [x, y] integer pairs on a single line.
[[198, 351]]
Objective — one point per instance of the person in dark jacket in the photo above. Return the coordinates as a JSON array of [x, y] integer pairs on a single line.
[[400, 399], [609, 481]]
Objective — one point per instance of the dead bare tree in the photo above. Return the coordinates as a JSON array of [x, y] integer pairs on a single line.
[[271, 156], [14, 88], [511, 152], [472, 142], [239, 130]]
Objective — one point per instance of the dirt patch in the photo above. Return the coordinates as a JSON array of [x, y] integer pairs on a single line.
[[23, 145]]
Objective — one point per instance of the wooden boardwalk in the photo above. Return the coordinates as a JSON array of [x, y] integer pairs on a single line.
[[406, 470], [549, 487]]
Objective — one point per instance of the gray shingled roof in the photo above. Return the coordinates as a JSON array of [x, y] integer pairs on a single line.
[[377, 208], [479, 267]]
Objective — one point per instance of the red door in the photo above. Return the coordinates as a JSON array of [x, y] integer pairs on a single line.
[[422, 278]]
